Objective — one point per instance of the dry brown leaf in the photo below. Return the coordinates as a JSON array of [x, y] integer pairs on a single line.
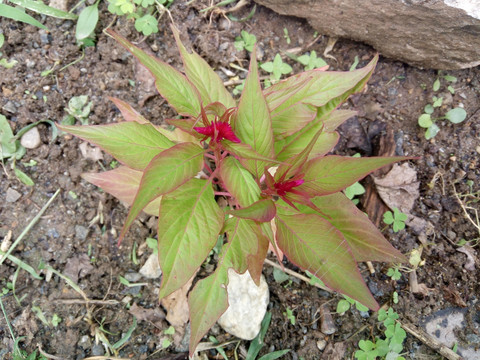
[[176, 305], [471, 259], [78, 267], [399, 188], [92, 153], [154, 316]]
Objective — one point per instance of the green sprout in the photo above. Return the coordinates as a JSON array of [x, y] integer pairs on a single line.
[[397, 219]]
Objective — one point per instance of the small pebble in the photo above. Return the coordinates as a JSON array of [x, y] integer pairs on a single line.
[[151, 269], [321, 344], [10, 107], [81, 232], [12, 195], [133, 276], [85, 342], [97, 350], [31, 139], [327, 324]]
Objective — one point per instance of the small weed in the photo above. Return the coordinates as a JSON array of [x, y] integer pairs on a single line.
[[344, 305], [455, 115], [277, 68], [4, 62], [397, 218], [257, 344], [289, 314], [394, 273], [309, 61], [245, 41], [286, 36], [78, 109]]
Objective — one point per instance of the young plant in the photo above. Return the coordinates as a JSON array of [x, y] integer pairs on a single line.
[[344, 305], [455, 115], [245, 41], [4, 62], [265, 157], [309, 61], [397, 218], [277, 68]]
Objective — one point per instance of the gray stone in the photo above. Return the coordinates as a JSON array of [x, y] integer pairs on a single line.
[[151, 269], [432, 34], [81, 232], [247, 305], [31, 139], [97, 350], [12, 195], [10, 107], [133, 276]]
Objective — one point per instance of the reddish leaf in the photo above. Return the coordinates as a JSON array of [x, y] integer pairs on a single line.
[[253, 124], [131, 143], [239, 182], [363, 237], [165, 173], [171, 84], [208, 300], [261, 211], [128, 112], [330, 174], [336, 118], [208, 83], [122, 183], [296, 143], [314, 244], [188, 227]]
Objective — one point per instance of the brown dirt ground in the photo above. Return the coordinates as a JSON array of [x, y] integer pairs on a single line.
[[396, 95]]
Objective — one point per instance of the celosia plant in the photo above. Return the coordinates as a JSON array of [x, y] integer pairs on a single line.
[[266, 155]]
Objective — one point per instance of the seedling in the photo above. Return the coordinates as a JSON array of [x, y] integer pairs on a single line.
[[455, 115], [286, 36], [264, 158], [354, 190], [258, 343], [78, 109], [394, 273], [289, 314], [245, 41], [309, 61], [4, 62], [344, 305], [397, 218], [277, 68]]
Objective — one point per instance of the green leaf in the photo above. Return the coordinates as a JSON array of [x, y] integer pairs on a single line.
[[336, 118], [450, 78], [245, 153], [180, 93], [261, 211], [343, 306], [437, 102], [354, 190], [274, 355], [24, 178], [147, 24], [388, 218], [123, 183], [8, 147], [128, 112], [330, 174], [208, 300], [456, 115], [131, 143], [189, 223], [432, 131], [19, 15], [239, 182], [41, 8], [313, 244], [429, 109], [425, 121], [202, 76], [253, 124], [166, 172], [363, 237], [436, 85], [87, 21]]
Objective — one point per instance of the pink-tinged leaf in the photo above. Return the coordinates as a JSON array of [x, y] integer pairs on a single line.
[[178, 135], [261, 211], [253, 124], [279, 93], [123, 183], [255, 262], [330, 174], [202, 76], [131, 143], [363, 237], [336, 118], [245, 153], [166, 172], [313, 244], [188, 227], [186, 125], [209, 299], [239, 182], [128, 112], [291, 120], [180, 93], [296, 143]]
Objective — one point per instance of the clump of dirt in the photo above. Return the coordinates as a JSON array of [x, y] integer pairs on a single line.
[[78, 233]]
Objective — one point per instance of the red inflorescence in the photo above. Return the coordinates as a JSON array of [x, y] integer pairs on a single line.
[[217, 131]]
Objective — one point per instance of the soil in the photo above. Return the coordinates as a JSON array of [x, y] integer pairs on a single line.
[[78, 233]]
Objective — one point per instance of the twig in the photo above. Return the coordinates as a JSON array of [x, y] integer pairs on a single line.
[[465, 210], [83, 301], [48, 356], [430, 342], [29, 226], [297, 275]]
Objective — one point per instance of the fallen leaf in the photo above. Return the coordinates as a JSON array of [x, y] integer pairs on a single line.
[[78, 267], [154, 316], [470, 252], [399, 188], [176, 305], [89, 152], [453, 296]]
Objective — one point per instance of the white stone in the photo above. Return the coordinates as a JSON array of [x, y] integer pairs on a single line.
[[248, 305], [31, 139], [151, 268]]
